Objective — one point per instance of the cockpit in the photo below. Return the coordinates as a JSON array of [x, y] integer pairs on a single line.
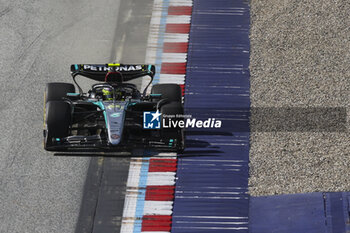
[[114, 89]]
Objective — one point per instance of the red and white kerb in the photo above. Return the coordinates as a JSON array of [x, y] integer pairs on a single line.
[[151, 181]]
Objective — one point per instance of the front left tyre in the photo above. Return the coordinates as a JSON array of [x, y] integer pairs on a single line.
[[174, 136], [169, 91]]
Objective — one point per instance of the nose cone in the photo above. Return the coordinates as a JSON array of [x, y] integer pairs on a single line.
[[115, 115]]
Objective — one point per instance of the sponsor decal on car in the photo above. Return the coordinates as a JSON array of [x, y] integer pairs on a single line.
[[112, 68], [116, 106], [116, 114], [115, 136]]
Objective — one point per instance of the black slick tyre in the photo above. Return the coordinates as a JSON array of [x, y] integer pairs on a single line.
[[56, 91], [172, 92], [57, 122]]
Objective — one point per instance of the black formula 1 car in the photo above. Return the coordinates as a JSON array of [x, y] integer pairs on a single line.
[[111, 115]]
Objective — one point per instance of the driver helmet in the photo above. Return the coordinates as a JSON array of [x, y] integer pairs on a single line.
[[107, 93]]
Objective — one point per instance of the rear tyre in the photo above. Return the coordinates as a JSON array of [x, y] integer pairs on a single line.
[[57, 122], [172, 92], [56, 91], [172, 108]]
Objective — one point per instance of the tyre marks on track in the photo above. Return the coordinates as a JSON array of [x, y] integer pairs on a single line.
[[105, 186]]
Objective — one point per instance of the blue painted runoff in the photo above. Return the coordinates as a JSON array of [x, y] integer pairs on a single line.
[[300, 213], [212, 175]]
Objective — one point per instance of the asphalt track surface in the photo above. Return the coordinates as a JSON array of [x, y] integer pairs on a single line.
[[105, 186], [39, 40]]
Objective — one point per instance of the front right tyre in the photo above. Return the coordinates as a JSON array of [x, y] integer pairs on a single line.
[[58, 118], [57, 113]]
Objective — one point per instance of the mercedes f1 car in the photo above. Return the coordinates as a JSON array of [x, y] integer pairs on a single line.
[[110, 116]]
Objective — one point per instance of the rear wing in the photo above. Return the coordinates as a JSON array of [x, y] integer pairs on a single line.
[[98, 72]]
